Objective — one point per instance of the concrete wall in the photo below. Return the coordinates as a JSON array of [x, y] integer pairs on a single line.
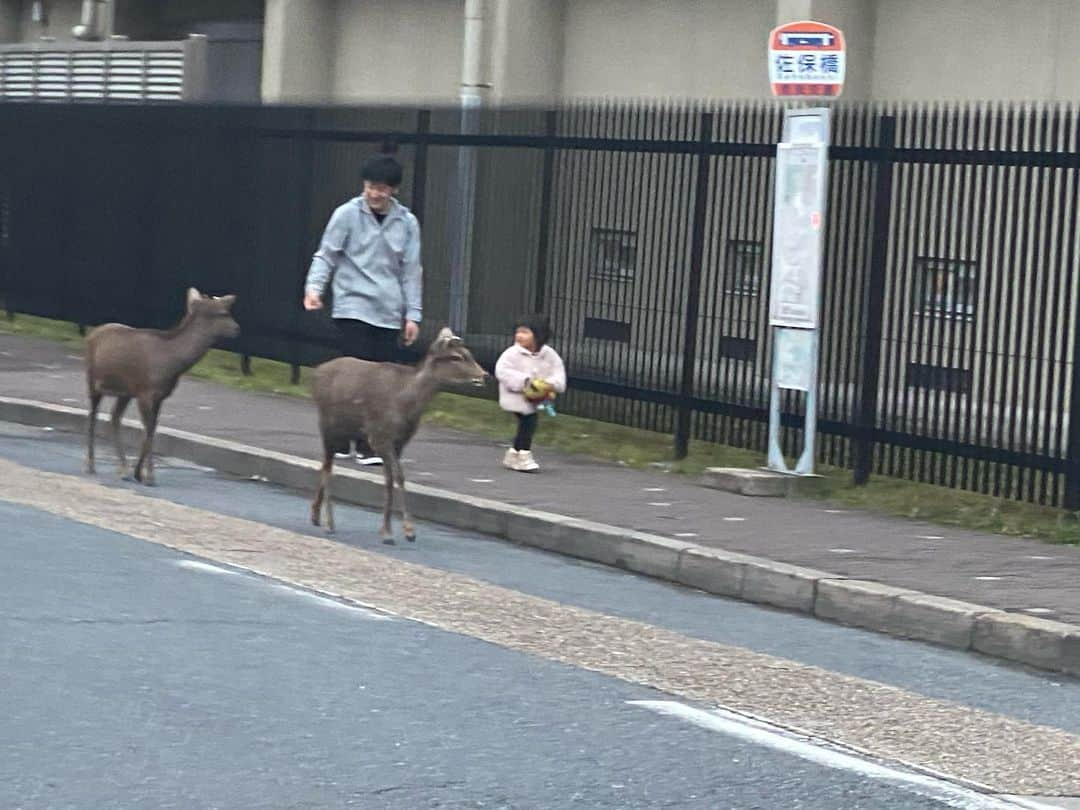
[[407, 51], [63, 15], [957, 49], [528, 50], [298, 45], [686, 49], [9, 20]]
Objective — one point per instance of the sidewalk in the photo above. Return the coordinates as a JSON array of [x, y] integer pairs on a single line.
[[1016, 575]]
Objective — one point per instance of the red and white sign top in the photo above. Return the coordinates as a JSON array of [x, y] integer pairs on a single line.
[[806, 59]]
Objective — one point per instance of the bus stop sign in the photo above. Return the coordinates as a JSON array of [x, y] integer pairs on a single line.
[[806, 59]]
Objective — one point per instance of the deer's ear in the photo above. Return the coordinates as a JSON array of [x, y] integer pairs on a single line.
[[193, 295], [445, 335], [228, 301]]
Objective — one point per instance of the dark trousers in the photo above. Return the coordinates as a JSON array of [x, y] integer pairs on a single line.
[[526, 428], [367, 342]]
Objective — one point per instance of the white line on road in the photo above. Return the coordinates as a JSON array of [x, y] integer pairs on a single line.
[[823, 753], [325, 601]]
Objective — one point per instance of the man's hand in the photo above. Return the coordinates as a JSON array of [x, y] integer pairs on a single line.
[[411, 333], [312, 301]]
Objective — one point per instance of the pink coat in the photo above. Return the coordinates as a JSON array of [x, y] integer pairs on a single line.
[[517, 366]]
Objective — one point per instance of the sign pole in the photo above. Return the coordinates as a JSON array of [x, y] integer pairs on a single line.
[[806, 60]]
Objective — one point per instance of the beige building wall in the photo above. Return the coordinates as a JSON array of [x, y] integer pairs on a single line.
[[63, 16], [406, 51], [685, 49], [9, 20], [298, 45], [528, 50], [963, 50]]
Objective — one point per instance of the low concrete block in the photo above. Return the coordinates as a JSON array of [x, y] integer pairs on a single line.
[[758, 483], [782, 585], [1029, 640], [856, 602], [713, 570], [897, 611], [937, 619]]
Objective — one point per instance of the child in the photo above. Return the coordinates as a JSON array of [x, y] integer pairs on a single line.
[[529, 372]]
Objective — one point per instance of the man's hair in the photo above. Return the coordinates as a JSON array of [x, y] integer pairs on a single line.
[[381, 169]]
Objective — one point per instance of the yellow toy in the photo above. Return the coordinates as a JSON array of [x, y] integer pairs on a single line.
[[542, 394]]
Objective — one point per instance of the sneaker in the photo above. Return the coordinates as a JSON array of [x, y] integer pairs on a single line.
[[369, 461], [510, 460], [526, 462]]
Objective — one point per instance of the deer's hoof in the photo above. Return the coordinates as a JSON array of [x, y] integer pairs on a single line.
[[315, 518], [90, 469], [388, 539], [410, 534]]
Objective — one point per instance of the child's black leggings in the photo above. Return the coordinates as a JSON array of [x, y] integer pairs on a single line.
[[526, 429]]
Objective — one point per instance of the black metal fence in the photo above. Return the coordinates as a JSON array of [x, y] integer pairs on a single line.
[[950, 313]]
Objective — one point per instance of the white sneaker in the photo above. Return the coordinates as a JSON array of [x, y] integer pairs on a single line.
[[369, 461], [510, 460], [526, 462]]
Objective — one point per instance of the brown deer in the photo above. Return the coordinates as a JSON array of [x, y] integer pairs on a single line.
[[145, 365], [383, 403]]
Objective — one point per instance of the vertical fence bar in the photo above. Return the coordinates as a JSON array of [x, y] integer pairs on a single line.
[[1072, 452], [870, 348], [420, 160], [544, 237], [693, 293], [307, 190]]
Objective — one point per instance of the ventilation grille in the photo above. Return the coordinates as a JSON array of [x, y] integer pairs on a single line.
[[130, 75]]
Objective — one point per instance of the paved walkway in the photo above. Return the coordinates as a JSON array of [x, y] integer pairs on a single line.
[[1007, 573]]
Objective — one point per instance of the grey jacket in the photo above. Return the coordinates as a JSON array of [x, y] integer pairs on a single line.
[[374, 269]]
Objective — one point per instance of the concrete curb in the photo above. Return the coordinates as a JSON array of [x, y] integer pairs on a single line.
[[896, 611]]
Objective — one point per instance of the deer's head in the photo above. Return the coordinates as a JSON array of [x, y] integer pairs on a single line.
[[452, 363], [214, 314]]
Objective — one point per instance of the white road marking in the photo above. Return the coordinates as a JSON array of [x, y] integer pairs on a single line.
[[686, 534], [207, 568], [325, 601], [929, 537], [988, 579], [654, 489], [844, 550], [482, 480], [660, 503], [821, 752], [734, 519]]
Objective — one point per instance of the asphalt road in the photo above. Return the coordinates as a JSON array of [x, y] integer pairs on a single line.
[[135, 676]]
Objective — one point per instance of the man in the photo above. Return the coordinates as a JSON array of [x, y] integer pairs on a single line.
[[370, 254]]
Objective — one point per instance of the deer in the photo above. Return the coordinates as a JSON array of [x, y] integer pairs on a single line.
[[145, 365], [382, 402]]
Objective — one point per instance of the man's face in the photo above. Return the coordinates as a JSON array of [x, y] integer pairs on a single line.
[[378, 195]]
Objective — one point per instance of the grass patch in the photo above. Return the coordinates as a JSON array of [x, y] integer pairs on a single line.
[[637, 448]]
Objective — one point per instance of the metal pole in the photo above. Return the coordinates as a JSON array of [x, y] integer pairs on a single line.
[[474, 92], [693, 293], [870, 348]]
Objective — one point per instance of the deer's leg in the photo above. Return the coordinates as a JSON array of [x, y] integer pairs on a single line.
[[399, 477], [323, 495], [91, 430], [144, 467], [117, 415], [387, 532]]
